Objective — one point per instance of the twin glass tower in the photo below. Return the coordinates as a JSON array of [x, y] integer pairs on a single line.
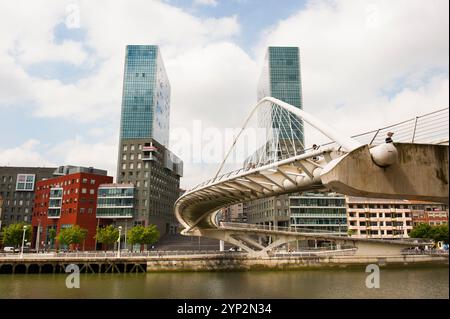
[[280, 78], [144, 159]]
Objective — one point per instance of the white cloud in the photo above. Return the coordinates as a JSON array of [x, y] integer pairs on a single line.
[[27, 154], [211, 3], [82, 152], [352, 54], [77, 152]]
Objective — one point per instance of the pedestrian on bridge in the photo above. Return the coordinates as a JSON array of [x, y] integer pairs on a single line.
[[389, 137]]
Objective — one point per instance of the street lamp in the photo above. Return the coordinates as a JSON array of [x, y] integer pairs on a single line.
[[118, 246], [23, 240]]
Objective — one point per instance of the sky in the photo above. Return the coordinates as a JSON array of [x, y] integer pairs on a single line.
[[364, 64]]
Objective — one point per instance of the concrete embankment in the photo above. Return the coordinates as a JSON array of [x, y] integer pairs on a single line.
[[214, 262], [280, 263]]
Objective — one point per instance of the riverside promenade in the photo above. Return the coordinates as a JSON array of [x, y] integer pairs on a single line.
[[110, 262]]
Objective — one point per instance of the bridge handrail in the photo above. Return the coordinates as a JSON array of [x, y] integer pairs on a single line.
[[279, 228]]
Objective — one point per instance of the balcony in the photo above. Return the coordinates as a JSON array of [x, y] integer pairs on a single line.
[[148, 158], [54, 213], [149, 148], [114, 213]]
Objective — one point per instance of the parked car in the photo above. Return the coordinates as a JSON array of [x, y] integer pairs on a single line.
[[10, 250]]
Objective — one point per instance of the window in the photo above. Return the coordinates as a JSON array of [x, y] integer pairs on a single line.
[[131, 165], [89, 210], [132, 147], [139, 165], [81, 210], [92, 181], [85, 180], [91, 191], [125, 148], [83, 191], [25, 182], [124, 157]]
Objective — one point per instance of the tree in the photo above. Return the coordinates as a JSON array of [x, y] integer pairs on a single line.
[[421, 230], [440, 233], [150, 235], [143, 235], [13, 234], [437, 233], [52, 235], [71, 236], [107, 235]]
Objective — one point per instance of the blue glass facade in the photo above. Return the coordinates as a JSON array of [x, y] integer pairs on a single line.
[[146, 95], [281, 79]]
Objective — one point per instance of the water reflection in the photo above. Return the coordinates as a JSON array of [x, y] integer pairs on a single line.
[[336, 283]]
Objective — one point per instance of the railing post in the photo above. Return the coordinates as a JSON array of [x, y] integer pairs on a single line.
[[373, 139], [414, 132]]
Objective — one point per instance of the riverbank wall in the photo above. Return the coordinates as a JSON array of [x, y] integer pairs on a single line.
[[216, 262], [292, 263]]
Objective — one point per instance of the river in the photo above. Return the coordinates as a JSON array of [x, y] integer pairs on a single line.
[[429, 282]]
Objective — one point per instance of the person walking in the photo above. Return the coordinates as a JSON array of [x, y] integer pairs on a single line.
[[389, 137]]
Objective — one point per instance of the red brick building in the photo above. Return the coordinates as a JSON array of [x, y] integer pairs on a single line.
[[67, 200], [433, 214]]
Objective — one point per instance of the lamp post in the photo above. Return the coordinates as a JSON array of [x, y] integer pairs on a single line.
[[118, 246], [23, 240]]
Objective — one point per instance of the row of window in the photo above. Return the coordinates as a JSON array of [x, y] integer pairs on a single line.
[[380, 224], [68, 182], [380, 215], [6, 194], [57, 211]]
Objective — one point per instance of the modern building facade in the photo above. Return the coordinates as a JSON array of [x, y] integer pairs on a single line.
[[433, 214], [378, 218], [234, 214], [271, 211], [17, 188], [280, 78], [115, 201], [145, 95], [68, 199], [319, 211], [144, 159]]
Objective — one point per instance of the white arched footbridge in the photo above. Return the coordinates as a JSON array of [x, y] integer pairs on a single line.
[[405, 169]]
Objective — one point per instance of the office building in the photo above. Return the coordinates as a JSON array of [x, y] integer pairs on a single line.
[[378, 218], [144, 159], [319, 211], [115, 201], [433, 214], [281, 79], [17, 188], [68, 199], [233, 214], [271, 211]]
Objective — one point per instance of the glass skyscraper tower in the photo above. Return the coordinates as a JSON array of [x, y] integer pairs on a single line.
[[146, 95], [144, 159], [280, 78]]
